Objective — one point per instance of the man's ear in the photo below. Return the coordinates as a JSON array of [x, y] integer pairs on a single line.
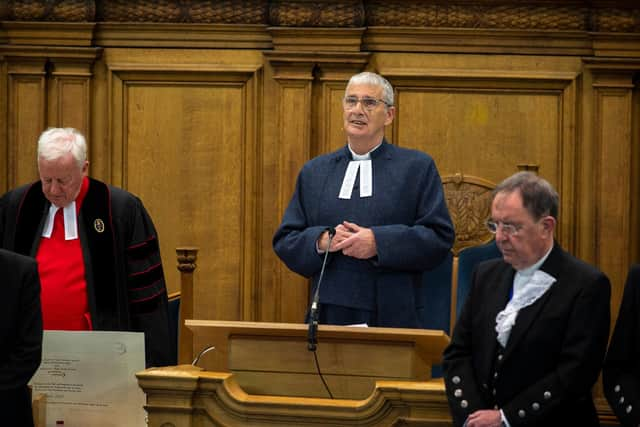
[[549, 224], [390, 114]]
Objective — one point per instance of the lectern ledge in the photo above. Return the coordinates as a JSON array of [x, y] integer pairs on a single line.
[[263, 374]]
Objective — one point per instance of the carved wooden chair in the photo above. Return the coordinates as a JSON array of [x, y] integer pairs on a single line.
[[445, 287]]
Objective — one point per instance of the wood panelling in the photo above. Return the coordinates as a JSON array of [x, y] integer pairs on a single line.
[[486, 124], [186, 143], [26, 103], [612, 121], [70, 95], [209, 121]]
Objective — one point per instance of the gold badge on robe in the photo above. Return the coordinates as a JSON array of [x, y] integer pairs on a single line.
[[98, 225]]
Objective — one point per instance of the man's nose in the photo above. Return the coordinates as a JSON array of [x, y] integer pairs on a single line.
[[500, 234], [54, 187]]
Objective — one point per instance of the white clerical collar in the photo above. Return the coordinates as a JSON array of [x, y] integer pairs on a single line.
[[365, 156], [361, 162], [70, 221]]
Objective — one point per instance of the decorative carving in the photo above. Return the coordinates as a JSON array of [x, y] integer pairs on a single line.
[[469, 202], [311, 13], [187, 257], [184, 11], [416, 13], [614, 16], [617, 20], [50, 10]]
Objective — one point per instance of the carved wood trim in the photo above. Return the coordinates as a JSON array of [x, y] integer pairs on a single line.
[[469, 202], [187, 257]]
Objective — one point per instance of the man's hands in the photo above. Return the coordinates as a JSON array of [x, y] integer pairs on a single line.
[[485, 418], [351, 239]]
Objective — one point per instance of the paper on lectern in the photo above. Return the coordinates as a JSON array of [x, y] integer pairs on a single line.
[[89, 378]]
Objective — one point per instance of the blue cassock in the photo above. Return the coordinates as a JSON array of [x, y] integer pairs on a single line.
[[407, 214]]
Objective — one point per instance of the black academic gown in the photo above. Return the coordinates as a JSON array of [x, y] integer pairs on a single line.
[[554, 354], [20, 336], [621, 372], [125, 281]]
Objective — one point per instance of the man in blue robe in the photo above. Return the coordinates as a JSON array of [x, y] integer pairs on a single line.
[[387, 207]]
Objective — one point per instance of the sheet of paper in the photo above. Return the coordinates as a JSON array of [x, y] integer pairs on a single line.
[[89, 378]]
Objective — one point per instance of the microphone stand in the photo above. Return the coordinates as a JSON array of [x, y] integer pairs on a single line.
[[313, 312]]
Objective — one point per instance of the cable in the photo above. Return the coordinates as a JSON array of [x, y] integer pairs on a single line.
[[326, 387]]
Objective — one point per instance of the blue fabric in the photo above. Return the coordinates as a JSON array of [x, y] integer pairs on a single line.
[[434, 301], [467, 261], [407, 214]]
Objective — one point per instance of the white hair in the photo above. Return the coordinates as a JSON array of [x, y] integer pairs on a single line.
[[374, 79], [56, 142]]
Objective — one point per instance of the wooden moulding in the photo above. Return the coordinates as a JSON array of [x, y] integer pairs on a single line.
[[54, 34], [186, 395], [210, 36], [317, 39]]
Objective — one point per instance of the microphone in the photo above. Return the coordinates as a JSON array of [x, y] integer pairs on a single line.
[[202, 353], [313, 312]]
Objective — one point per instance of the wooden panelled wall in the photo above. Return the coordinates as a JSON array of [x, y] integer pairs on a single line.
[[207, 110]]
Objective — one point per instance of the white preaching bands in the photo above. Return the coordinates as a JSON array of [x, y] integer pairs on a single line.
[[361, 162], [70, 222]]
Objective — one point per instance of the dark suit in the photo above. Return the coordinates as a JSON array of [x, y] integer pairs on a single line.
[[20, 336], [554, 354], [621, 372]]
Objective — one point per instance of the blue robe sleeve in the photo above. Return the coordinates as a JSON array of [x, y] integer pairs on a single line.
[[295, 240], [423, 244]]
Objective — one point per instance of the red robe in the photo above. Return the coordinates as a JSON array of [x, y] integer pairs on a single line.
[[62, 276]]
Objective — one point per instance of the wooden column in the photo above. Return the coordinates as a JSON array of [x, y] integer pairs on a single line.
[[187, 257], [609, 173]]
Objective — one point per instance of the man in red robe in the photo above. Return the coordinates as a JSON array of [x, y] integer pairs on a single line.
[[96, 246]]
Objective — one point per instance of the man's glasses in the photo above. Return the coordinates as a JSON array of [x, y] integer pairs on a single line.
[[507, 228], [350, 102]]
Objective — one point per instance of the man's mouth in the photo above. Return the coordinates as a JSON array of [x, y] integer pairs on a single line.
[[358, 122]]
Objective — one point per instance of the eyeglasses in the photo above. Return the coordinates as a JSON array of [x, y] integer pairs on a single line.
[[350, 102], [507, 228]]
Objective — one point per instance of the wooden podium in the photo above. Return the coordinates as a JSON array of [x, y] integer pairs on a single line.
[[263, 374]]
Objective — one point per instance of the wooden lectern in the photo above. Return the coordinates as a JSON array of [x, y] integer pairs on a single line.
[[273, 359], [263, 374]]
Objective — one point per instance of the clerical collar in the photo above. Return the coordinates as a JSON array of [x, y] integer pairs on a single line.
[[70, 222], [69, 213], [365, 156], [362, 163]]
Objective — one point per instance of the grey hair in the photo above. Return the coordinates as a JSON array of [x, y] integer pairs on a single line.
[[539, 197], [56, 142], [373, 79]]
